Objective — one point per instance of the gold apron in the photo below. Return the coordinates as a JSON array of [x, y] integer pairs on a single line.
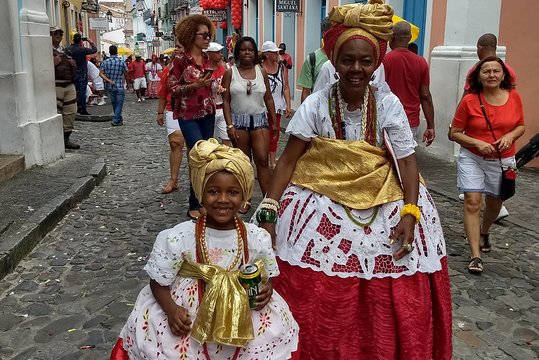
[[351, 173]]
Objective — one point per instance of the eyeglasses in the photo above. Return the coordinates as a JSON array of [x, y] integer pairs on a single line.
[[250, 85], [205, 35]]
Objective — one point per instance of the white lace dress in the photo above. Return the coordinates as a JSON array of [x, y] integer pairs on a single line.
[[146, 335], [316, 233]]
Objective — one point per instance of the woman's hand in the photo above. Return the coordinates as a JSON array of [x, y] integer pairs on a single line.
[[485, 148], [288, 112], [270, 228], [160, 119], [404, 232], [504, 142], [232, 135], [179, 321], [203, 81], [264, 295]]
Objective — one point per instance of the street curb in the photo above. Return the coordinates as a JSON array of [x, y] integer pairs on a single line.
[[44, 219], [94, 118]]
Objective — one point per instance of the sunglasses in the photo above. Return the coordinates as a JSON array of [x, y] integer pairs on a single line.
[[250, 85], [205, 35]]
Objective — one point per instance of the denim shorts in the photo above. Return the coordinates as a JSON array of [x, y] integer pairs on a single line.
[[480, 174]]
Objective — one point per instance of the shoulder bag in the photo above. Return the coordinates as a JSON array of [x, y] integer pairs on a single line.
[[507, 187]]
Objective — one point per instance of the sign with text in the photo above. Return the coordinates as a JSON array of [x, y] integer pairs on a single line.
[[215, 15], [288, 6], [99, 24]]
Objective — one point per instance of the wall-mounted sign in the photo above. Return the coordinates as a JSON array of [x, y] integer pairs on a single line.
[[101, 24], [215, 15], [288, 6]]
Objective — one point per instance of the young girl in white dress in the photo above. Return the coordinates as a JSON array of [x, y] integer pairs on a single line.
[[179, 315]]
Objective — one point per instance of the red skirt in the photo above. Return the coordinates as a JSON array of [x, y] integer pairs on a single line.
[[349, 318]]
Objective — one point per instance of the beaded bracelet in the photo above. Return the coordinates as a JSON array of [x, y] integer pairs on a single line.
[[411, 209], [265, 215]]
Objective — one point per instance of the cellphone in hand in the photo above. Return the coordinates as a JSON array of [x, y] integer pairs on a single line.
[[206, 72]]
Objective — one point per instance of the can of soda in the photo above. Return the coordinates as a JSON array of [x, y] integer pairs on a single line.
[[250, 279]]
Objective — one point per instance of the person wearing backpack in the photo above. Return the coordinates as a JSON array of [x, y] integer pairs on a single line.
[[311, 65]]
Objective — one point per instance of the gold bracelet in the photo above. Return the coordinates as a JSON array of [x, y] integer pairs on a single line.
[[411, 209], [228, 127]]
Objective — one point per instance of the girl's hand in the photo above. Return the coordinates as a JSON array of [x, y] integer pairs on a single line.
[[404, 232], [504, 142], [264, 295], [270, 228], [179, 321], [485, 148]]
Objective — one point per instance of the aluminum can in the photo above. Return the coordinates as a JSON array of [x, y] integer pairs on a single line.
[[250, 279]]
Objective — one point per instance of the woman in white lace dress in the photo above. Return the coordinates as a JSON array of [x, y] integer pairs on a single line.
[[179, 315], [356, 245]]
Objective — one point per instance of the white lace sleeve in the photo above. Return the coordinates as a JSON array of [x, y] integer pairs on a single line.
[[167, 255], [394, 120], [312, 118], [260, 248]]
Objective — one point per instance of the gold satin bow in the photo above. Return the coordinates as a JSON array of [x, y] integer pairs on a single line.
[[224, 315]]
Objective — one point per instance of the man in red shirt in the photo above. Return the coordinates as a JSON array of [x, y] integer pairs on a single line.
[[284, 56], [138, 69], [408, 77]]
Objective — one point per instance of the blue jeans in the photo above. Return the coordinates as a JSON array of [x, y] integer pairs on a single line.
[[194, 130], [81, 82], [117, 96]]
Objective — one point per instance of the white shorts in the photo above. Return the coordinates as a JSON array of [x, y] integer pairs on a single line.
[[415, 133], [220, 125], [171, 123], [479, 174], [139, 83], [98, 84]]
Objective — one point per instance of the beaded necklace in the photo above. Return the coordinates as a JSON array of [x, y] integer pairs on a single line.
[[368, 114], [201, 239], [368, 132]]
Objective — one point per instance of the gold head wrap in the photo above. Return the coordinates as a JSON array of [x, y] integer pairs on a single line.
[[208, 157], [372, 21]]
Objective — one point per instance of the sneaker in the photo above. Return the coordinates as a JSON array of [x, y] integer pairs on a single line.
[[461, 197], [502, 214], [101, 102], [138, 100], [143, 99], [117, 124]]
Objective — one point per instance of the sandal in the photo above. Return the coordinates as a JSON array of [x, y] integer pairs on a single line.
[[475, 266], [485, 245], [245, 208], [169, 187]]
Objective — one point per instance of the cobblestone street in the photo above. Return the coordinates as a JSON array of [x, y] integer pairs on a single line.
[[70, 297]]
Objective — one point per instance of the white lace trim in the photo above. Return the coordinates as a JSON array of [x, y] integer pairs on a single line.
[[316, 233]]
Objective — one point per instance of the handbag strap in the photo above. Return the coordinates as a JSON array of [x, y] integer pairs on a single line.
[[489, 126]]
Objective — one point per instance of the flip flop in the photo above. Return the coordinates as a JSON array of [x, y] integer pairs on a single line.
[[486, 247], [475, 266]]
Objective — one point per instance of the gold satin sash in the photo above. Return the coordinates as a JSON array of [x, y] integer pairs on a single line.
[[352, 173], [224, 315]]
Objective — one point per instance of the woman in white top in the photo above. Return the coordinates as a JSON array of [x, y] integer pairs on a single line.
[[280, 90], [247, 103]]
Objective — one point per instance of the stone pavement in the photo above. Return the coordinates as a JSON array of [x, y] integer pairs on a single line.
[[70, 297]]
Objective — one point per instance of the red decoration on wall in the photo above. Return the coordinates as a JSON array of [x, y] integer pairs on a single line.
[[236, 8], [223, 25], [214, 4]]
